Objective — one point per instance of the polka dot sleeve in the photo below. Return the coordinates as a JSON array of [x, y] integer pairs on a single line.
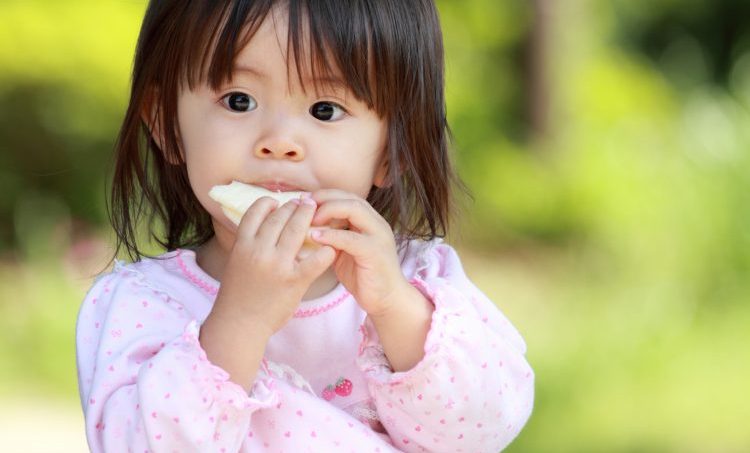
[[473, 390], [144, 379]]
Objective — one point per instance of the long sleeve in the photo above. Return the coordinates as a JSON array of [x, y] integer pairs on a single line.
[[473, 390], [144, 379], [146, 384]]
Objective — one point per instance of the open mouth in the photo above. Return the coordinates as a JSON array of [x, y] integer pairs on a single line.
[[278, 187]]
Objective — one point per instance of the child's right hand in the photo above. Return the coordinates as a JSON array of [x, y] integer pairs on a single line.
[[264, 280], [262, 284]]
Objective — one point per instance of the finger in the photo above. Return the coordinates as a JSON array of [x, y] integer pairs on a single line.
[[313, 265], [351, 242], [295, 231], [255, 215], [326, 195], [323, 195], [270, 230], [357, 212]]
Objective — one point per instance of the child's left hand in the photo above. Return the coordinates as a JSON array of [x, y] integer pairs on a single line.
[[367, 262]]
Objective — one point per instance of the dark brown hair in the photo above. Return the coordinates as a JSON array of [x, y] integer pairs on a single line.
[[389, 52]]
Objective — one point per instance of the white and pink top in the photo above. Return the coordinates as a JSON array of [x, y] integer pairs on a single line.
[[325, 384]]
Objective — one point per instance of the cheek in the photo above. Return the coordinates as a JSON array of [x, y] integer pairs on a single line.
[[201, 181], [207, 134], [212, 139], [364, 140], [213, 156], [372, 135]]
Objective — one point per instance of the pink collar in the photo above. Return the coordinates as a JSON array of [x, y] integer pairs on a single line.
[[197, 276]]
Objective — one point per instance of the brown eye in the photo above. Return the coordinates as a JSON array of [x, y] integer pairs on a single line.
[[239, 102], [327, 111]]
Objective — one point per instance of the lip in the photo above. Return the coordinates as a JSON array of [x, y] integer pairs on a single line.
[[278, 186]]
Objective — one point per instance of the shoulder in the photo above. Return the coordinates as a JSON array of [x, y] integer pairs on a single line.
[[153, 288], [146, 272], [159, 276], [433, 258]]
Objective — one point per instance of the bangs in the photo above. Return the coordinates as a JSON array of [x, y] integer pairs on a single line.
[[332, 46], [387, 53]]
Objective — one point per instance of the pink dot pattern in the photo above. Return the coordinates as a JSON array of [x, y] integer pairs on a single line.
[[146, 384]]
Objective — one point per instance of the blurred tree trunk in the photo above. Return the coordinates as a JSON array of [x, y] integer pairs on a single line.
[[536, 70]]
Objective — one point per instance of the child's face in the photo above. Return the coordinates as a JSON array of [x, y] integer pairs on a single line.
[[262, 129]]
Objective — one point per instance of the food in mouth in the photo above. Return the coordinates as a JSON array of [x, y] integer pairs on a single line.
[[235, 198]]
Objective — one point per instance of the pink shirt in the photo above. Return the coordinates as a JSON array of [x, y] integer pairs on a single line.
[[325, 384]]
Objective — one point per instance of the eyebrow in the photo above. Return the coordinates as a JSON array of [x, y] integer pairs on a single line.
[[256, 72], [328, 82], [335, 82]]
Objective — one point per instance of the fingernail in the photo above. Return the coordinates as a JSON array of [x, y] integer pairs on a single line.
[[316, 234], [295, 201], [308, 201]]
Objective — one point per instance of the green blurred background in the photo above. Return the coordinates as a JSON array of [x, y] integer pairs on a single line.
[[607, 145]]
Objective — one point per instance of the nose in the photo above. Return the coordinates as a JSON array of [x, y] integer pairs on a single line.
[[280, 151], [278, 145]]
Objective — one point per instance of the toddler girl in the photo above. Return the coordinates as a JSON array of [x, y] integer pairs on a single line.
[[234, 340]]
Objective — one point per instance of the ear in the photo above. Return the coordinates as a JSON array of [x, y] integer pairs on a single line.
[[151, 116]]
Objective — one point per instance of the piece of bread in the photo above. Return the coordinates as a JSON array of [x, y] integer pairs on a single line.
[[235, 198]]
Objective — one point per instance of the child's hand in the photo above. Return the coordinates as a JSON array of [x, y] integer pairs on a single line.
[[264, 281], [368, 264]]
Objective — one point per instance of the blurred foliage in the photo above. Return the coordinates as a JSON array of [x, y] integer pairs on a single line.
[[64, 71], [618, 241]]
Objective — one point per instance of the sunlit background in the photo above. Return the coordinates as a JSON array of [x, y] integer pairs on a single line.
[[607, 146]]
